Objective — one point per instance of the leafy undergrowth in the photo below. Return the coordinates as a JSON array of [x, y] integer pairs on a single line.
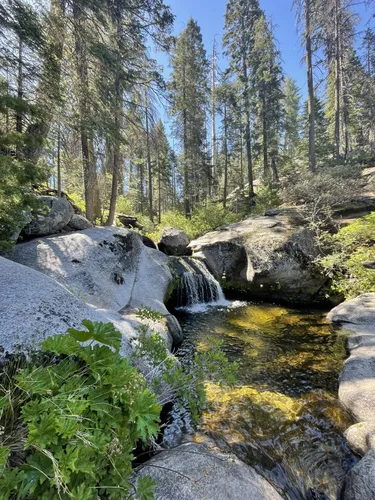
[[348, 249], [71, 421]]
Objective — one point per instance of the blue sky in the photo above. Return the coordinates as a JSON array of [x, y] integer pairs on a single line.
[[210, 16]]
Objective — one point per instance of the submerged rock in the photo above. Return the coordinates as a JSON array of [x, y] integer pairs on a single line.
[[271, 257], [194, 471], [59, 214], [173, 242]]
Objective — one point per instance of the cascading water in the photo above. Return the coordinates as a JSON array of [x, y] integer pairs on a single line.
[[198, 286]]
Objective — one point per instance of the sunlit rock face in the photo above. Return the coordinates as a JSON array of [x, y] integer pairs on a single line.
[[270, 257]]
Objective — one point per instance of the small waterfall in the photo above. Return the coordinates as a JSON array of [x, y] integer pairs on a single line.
[[198, 286]]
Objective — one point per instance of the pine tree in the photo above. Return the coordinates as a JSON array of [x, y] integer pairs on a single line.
[[292, 125], [189, 97], [238, 41], [267, 87]]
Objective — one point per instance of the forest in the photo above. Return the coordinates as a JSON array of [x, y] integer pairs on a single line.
[[82, 101], [177, 215]]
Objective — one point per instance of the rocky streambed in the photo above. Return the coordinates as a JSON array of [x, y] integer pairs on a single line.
[[53, 282]]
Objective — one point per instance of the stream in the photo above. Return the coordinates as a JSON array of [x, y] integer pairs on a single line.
[[283, 417]]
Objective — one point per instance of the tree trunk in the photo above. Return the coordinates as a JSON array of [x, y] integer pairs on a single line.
[[159, 188], [275, 174], [19, 86], [310, 84], [89, 169], [48, 90], [186, 164], [59, 160], [213, 132], [246, 103], [225, 157], [265, 137], [149, 166], [337, 83]]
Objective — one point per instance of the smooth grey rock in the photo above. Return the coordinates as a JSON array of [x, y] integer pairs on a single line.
[[34, 307], [357, 379], [78, 223], [361, 437], [59, 214], [267, 257], [359, 311], [108, 267], [194, 472], [271, 212], [173, 241], [175, 329], [360, 480]]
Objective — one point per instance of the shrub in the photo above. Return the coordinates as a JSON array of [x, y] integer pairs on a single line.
[[82, 416], [266, 197], [321, 190], [70, 422], [204, 218], [347, 250]]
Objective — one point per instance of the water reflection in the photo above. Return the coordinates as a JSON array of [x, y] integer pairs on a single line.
[[283, 417]]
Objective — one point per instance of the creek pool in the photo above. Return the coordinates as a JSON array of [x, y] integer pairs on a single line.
[[283, 417]]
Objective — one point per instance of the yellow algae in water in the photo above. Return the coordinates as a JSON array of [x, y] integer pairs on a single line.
[[259, 317], [226, 400], [312, 360]]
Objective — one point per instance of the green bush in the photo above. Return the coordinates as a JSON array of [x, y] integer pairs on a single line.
[[71, 420], [82, 416], [18, 170], [204, 218], [266, 197], [348, 248]]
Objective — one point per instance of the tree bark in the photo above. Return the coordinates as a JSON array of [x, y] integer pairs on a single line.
[[213, 132], [49, 86], [89, 170], [225, 157], [19, 124], [265, 137], [149, 166], [310, 84], [337, 83]]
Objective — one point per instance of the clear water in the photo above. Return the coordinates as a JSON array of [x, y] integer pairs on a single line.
[[283, 417]]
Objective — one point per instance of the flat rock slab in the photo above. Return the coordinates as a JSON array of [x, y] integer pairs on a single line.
[[195, 472]]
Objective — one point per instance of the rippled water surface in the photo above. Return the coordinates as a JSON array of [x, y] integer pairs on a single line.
[[283, 417]]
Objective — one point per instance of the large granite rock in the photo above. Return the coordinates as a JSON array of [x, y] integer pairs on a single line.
[[58, 215], [193, 471], [270, 257], [357, 379], [360, 480], [173, 241], [108, 268], [357, 390], [34, 307]]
